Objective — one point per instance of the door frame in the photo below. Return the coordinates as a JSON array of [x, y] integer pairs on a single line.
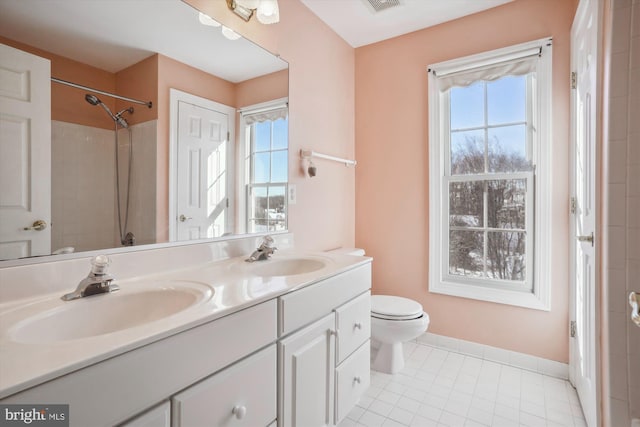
[[176, 96], [597, 204]]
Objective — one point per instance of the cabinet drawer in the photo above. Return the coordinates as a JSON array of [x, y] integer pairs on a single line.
[[302, 307], [241, 395], [352, 380], [353, 321], [160, 416]]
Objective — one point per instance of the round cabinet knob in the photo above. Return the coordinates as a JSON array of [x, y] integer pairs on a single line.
[[239, 411], [357, 325], [38, 225], [356, 380]]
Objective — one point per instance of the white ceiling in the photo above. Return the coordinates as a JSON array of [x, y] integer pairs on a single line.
[[114, 34], [357, 23]]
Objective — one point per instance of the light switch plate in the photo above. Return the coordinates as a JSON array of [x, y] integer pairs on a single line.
[[292, 195]]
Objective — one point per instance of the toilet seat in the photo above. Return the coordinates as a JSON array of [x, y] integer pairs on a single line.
[[395, 308]]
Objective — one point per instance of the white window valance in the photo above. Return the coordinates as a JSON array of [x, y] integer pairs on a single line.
[[511, 61], [266, 111]]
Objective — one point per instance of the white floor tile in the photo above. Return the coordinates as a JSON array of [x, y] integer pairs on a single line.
[[440, 388]]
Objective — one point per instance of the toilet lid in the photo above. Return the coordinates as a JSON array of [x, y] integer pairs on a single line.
[[392, 307]]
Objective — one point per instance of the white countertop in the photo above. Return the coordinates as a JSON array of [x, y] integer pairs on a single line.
[[230, 287]]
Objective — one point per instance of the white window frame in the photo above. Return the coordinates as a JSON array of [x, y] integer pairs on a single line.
[[244, 167], [540, 151]]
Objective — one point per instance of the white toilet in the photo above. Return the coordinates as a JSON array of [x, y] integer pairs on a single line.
[[394, 320]]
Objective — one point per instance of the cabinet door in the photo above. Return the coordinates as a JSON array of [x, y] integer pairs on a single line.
[[307, 362], [241, 395], [352, 380]]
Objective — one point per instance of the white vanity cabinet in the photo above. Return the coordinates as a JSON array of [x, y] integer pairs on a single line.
[[324, 367], [300, 359]]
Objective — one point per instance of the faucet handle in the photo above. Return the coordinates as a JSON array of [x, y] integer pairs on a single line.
[[268, 242], [99, 265]]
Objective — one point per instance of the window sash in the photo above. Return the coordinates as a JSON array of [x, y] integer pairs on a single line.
[[527, 284]]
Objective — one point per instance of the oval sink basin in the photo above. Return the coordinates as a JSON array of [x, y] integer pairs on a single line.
[[104, 314], [286, 267]]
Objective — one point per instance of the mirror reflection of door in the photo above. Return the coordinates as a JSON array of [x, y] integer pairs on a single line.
[[202, 168], [25, 134]]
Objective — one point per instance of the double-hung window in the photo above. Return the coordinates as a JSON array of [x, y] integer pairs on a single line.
[[266, 145], [489, 148]]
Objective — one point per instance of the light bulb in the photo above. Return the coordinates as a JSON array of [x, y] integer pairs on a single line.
[[229, 33], [207, 20], [268, 12]]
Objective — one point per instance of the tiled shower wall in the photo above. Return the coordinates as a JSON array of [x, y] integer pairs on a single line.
[[622, 177], [84, 214]]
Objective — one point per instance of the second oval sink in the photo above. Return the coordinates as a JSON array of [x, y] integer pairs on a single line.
[[287, 266], [103, 314]]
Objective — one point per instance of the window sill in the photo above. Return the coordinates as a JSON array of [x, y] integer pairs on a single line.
[[500, 296]]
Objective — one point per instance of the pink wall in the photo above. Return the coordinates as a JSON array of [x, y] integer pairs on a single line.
[[392, 208], [139, 81], [321, 100]]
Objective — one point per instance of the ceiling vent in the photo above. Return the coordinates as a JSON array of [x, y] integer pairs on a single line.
[[380, 5]]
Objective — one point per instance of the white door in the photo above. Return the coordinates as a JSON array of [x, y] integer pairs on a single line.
[[584, 111], [202, 195], [307, 376], [25, 154]]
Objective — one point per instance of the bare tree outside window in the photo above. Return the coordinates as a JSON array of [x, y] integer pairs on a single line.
[[487, 192]]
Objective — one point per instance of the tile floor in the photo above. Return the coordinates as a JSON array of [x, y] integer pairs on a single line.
[[442, 388]]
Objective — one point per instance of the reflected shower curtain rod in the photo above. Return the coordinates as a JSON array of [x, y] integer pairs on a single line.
[[101, 92], [308, 154]]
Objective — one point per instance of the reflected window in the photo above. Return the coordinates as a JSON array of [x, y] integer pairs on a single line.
[[266, 165]]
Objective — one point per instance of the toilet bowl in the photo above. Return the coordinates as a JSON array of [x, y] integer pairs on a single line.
[[394, 320]]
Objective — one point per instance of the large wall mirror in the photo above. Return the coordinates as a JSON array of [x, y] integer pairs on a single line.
[[129, 123]]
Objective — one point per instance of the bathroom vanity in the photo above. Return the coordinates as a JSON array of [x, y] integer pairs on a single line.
[[259, 345]]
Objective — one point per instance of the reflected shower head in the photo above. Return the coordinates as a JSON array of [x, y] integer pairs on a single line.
[[92, 99]]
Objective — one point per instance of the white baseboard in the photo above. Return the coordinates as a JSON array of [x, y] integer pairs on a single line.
[[507, 357]]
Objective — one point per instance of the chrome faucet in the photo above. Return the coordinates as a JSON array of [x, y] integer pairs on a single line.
[[97, 282], [264, 251]]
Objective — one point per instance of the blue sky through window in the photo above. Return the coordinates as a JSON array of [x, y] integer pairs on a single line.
[[499, 105]]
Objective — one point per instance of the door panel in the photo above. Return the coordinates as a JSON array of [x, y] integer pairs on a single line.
[[584, 62], [202, 202], [25, 141]]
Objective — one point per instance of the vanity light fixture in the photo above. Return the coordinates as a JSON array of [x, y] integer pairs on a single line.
[[266, 11]]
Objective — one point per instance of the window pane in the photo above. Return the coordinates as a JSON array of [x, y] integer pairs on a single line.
[[280, 134], [506, 100], [277, 213], [466, 204], [506, 201], [262, 136], [258, 203], [507, 149], [279, 171], [467, 152], [465, 253], [506, 255], [467, 106], [261, 168]]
